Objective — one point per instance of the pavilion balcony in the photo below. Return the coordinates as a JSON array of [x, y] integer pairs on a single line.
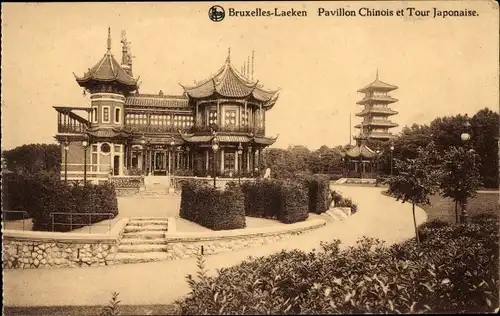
[[69, 122], [229, 129], [155, 128]]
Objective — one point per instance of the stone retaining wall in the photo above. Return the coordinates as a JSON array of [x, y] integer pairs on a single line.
[[186, 245], [23, 249]]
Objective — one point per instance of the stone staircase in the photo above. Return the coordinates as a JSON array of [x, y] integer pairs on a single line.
[[157, 187], [143, 240], [337, 214]]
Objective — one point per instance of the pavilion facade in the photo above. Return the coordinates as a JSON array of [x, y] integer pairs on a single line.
[[123, 132]]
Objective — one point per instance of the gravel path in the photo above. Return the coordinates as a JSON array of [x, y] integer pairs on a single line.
[[163, 282]]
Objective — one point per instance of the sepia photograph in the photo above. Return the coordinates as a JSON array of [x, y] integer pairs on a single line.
[[260, 158]]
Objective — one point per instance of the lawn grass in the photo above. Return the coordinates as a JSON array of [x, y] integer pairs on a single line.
[[444, 208]]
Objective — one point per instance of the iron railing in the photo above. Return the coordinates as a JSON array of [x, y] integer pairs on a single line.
[[89, 215], [4, 212]]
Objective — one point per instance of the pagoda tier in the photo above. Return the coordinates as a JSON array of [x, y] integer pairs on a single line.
[[375, 124], [107, 75], [229, 83]]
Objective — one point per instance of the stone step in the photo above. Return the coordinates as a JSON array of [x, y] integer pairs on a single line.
[[148, 218], [145, 234], [334, 215], [125, 257], [141, 228], [141, 248], [142, 241], [146, 222]]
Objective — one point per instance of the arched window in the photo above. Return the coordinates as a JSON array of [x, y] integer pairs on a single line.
[[117, 115]]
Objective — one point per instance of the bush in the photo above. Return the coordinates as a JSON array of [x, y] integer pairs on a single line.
[[444, 275], [213, 208], [318, 194], [42, 194], [285, 201], [340, 201]]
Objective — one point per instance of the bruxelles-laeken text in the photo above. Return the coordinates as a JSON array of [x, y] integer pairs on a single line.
[[260, 12]]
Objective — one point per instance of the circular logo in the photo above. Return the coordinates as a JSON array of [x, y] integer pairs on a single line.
[[216, 13]]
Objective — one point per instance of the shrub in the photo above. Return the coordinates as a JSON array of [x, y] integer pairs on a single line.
[[213, 208], [42, 194], [448, 274], [286, 201], [318, 194], [340, 201]]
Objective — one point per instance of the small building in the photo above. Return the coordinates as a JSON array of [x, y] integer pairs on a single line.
[[360, 161], [376, 111], [123, 132]]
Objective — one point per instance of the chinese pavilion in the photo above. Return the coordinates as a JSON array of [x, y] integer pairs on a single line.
[[360, 160], [126, 132]]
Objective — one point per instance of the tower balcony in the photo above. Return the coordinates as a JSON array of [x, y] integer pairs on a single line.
[[377, 123], [381, 99], [375, 111], [69, 122]]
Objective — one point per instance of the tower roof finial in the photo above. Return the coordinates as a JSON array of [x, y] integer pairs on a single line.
[[376, 75], [228, 59], [109, 40]]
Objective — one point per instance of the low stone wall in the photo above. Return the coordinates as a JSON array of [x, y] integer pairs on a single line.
[[33, 249], [186, 245]]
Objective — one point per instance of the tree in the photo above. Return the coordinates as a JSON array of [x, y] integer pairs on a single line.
[[33, 158], [485, 128], [416, 179], [460, 175]]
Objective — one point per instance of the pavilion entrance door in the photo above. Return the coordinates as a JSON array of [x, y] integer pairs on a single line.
[[159, 164]]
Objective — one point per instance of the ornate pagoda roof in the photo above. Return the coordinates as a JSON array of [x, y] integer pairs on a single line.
[[228, 82], [157, 101], [112, 132], [191, 138], [361, 149], [107, 70], [377, 123], [378, 85], [378, 99], [384, 111]]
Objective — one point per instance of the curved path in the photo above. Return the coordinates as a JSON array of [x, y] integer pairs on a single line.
[[163, 282]]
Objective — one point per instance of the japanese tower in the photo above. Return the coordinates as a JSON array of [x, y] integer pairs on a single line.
[[376, 112]]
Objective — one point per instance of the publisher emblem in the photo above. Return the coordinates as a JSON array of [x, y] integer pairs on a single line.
[[216, 13]]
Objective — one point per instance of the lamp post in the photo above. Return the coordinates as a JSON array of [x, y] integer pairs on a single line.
[[215, 148], [392, 149], [172, 164], [66, 148], [143, 143], [240, 152], [85, 144], [465, 137], [377, 166]]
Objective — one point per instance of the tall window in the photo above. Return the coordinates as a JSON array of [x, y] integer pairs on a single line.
[[229, 162], [94, 114], [117, 115], [105, 114]]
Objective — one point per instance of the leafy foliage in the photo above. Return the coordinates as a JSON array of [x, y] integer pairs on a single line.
[[112, 308], [340, 201], [454, 271], [416, 179], [460, 174], [34, 158]]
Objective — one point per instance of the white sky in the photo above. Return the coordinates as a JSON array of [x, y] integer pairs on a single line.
[[442, 66]]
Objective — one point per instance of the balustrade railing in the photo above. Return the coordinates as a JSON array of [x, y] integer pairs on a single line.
[[235, 129], [25, 216], [86, 215], [75, 129]]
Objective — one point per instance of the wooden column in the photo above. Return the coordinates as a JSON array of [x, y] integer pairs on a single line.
[[236, 160], [249, 152], [206, 160], [222, 161]]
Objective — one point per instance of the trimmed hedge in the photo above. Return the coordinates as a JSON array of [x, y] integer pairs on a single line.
[[455, 270], [340, 201], [285, 201], [213, 208], [318, 194], [42, 194]]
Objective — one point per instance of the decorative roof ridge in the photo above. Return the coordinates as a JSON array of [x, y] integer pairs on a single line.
[[165, 96]]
